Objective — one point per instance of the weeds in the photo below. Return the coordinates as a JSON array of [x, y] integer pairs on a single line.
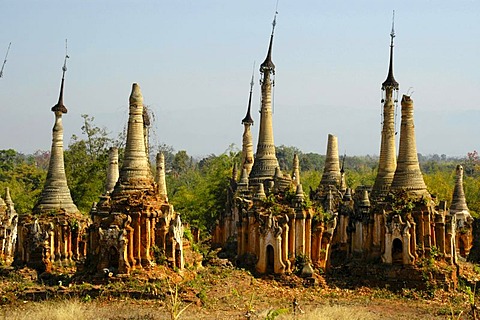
[[174, 304]]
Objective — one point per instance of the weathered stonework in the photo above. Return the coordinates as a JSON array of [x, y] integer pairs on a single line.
[[331, 171], [459, 209], [8, 228], [136, 216], [396, 222], [55, 233], [112, 171], [266, 212], [160, 177]]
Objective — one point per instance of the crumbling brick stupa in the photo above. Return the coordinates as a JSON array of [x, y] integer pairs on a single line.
[[54, 234], [396, 221], [134, 216]]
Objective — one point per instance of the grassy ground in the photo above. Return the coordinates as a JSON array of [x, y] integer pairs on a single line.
[[218, 293]]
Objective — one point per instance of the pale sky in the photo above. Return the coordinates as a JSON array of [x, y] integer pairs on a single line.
[[193, 60]]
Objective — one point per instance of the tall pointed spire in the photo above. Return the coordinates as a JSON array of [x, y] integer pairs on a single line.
[[247, 142], [60, 107], [387, 162], [331, 171], [268, 65], [265, 159], [55, 195], [112, 170], [408, 175], [248, 118], [390, 81], [135, 172], [5, 60]]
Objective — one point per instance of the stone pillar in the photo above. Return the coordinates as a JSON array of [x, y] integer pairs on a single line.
[[413, 239], [68, 232], [420, 233], [251, 235], [160, 177], [296, 171], [130, 245], [285, 247], [145, 241], [112, 171], [137, 238], [440, 233], [308, 236], [292, 236], [427, 232], [300, 234]]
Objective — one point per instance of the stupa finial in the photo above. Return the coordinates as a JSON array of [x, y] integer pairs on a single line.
[[60, 107]]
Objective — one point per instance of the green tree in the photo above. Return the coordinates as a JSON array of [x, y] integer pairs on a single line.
[[199, 191], [181, 162], [23, 177], [86, 162]]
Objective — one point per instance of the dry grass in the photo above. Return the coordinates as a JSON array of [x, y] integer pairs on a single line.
[[338, 312], [145, 310], [77, 310]]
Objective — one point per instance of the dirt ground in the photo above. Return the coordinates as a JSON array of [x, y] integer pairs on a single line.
[[217, 292]]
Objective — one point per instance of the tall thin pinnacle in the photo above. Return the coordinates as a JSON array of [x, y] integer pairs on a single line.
[[266, 161], [248, 118], [392, 34], [5, 60], [390, 81], [60, 106]]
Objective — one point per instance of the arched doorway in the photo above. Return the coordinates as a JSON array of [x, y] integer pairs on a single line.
[[113, 258], [397, 251], [270, 259]]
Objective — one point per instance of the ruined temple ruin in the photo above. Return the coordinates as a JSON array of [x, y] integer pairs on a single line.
[[266, 211], [55, 232], [395, 221], [133, 216], [8, 227]]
